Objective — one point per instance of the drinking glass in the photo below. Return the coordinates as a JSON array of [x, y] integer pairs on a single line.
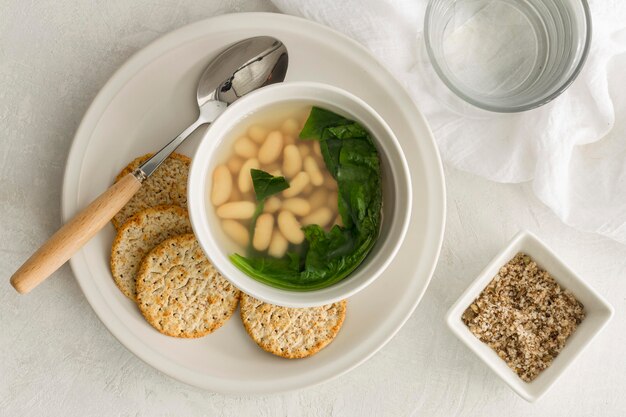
[[507, 55]]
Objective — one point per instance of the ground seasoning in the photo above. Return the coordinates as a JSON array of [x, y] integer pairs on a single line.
[[525, 316]]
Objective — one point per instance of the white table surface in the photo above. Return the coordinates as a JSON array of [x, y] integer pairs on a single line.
[[57, 359]]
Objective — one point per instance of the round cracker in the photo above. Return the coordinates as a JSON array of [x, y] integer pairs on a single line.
[[167, 186], [138, 236], [291, 332], [180, 293]]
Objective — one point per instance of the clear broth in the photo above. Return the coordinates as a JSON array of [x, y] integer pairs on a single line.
[[287, 118]]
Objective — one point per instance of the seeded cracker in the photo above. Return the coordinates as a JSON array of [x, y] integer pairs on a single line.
[[291, 332], [138, 236], [167, 186], [525, 316], [180, 293]]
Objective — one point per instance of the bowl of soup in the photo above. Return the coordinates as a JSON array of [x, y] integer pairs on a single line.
[[300, 194]]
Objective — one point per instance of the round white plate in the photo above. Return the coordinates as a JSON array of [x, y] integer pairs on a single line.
[[149, 100]]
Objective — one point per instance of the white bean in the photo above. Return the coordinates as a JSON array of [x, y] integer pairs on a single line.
[[273, 169], [307, 189], [333, 200], [222, 185], [272, 205], [245, 148], [290, 126], [322, 216], [236, 231], [298, 206], [304, 149], [311, 168], [278, 245], [263, 231], [239, 210], [317, 149], [290, 227], [289, 139], [245, 179], [234, 165], [296, 185], [292, 161], [257, 133], [319, 198], [272, 147], [338, 221], [235, 195]]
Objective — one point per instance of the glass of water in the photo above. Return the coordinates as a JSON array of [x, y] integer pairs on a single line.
[[507, 55]]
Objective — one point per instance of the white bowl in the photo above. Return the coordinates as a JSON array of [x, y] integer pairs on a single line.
[[598, 313], [396, 184]]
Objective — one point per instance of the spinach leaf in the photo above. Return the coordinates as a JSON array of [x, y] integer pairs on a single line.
[[266, 184], [318, 121], [328, 257], [257, 212]]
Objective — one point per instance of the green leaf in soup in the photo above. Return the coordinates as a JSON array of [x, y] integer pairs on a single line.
[[330, 154], [271, 271], [323, 246], [319, 119], [328, 257], [266, 184], [358, 179], [257, 212], [353, 130]]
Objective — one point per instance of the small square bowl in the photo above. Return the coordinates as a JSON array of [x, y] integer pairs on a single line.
[[598, 312]]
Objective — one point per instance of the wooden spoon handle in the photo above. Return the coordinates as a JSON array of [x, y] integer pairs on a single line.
[[74, 234]]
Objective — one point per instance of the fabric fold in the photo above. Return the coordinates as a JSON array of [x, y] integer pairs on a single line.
[[572, 149]]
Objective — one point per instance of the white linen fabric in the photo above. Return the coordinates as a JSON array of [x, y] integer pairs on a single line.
[[571, 149]]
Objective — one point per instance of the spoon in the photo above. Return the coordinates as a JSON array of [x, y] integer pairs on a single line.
[[243, 67]]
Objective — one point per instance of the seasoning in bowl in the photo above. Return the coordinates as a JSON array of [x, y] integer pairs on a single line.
[[524, 316]]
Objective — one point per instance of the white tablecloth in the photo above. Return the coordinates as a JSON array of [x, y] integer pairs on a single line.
[[571, 149], [57, 359]]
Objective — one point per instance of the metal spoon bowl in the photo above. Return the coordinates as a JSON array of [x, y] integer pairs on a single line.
[[244, 67], [241, 68]]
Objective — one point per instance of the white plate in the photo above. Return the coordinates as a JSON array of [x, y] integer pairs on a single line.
[[149, 100]]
